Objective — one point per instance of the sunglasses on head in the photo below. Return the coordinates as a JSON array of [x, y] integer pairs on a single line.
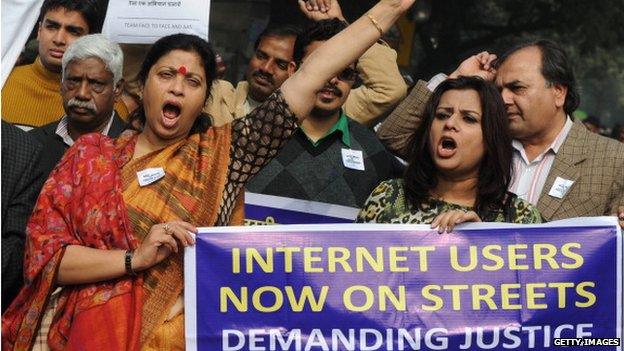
[[347, 75]]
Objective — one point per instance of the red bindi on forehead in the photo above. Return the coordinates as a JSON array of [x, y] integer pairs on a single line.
[[182, 70]]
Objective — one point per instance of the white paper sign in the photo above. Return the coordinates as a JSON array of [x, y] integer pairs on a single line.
[[145, 21], [150, 175], [560, 187], [353, 159]]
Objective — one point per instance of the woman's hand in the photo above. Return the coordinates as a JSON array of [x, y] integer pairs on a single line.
[[477, 65], [160, 242], [446, 221], [322, 6], [83, 265], [620, 216], [318, 10]]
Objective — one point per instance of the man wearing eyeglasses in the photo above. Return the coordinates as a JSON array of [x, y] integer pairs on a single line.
[[91, 85], [331, 158], [272, 63]]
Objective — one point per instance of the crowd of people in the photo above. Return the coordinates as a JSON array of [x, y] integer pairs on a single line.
[[102, 193]]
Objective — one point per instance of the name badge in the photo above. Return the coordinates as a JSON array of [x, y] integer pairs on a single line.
[[560, 187], [353, 159], [150, 175]]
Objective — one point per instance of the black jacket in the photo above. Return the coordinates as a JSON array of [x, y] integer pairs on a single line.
[[54, 147], [22, 179]]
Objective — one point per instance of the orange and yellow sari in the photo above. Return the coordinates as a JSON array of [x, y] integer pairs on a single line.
[[93, 199]]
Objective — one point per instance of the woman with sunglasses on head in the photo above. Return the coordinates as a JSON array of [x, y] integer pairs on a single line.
[[459, 165], [110, 225]]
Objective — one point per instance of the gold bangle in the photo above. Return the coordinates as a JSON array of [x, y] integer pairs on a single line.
[[375, 23]]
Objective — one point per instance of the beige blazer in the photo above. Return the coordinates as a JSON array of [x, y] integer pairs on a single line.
[[596, 165]]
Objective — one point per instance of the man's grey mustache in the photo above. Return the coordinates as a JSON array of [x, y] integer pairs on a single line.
[[89, 105]]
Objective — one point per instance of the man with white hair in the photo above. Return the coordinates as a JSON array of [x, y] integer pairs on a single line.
[[91, 85]]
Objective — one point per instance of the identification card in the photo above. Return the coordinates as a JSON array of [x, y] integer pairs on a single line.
[[353, 159], [560, 187], [150, 175]]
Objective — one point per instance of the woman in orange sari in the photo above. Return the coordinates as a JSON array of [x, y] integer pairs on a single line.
[[103, 263]]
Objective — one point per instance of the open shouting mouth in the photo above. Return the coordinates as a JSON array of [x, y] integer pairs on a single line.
[[447, 147], [171, 113]]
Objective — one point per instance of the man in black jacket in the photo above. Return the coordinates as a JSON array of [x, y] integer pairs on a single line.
[[91, 84]]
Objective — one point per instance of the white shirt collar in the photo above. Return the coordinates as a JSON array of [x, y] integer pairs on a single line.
[[61, 129]]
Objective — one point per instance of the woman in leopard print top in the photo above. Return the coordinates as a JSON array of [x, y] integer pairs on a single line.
[[459, 167]]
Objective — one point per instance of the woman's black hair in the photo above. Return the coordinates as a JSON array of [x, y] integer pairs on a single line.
[[164, 45], [495, 170]]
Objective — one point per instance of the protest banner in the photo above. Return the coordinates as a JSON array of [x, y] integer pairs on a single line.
[[487, 286], [145, 21], [263, 209]]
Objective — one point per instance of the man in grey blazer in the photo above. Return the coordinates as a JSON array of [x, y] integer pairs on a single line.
[[558, 165]]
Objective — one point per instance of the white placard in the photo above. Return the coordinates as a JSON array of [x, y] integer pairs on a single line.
[[145, 21], [560, 187], [353, 159], [150, 175]]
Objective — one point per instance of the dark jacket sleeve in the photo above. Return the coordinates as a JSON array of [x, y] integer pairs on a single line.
[[22, 179]]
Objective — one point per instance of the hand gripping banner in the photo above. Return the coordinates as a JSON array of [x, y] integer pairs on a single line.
[[487, 286]]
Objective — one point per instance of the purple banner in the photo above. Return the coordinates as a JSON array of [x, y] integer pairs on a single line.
[[386, 287]]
